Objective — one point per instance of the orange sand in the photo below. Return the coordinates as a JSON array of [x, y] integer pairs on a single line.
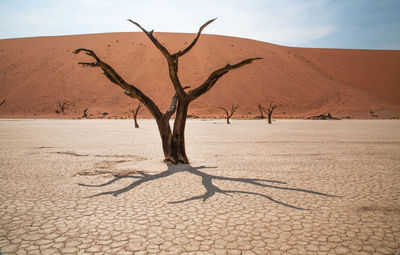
[[36, 72]]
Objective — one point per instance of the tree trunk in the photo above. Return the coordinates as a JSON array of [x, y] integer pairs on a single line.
[[135, 119], [261, 112], [227, 121], [166, 139], [178, 135], [173, 143], [270, 118]]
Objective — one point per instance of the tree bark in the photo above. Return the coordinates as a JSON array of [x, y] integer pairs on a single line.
[[178, 135], [173, 143], [270, 118]]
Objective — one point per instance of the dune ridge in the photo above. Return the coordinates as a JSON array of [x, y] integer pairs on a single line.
[[36, 72]]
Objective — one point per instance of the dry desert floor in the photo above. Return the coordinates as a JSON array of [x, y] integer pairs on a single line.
[[293, 187]]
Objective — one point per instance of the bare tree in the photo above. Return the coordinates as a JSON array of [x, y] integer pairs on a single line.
[[173, 141], [272, 106], [62, 105], [2, 102], [229, 115], [260, 108], [135, 113]]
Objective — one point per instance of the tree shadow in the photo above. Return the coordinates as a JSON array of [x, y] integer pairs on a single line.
[[207, 179]]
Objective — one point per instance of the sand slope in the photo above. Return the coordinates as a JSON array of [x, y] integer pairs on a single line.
[[36, 72]]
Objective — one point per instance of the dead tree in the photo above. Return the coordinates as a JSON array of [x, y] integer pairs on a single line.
[[62, 105], [229, 115], [173, 140], [269, 111], [84, 113], [3, 102], [323, 117], [135, 113], [260, 108]]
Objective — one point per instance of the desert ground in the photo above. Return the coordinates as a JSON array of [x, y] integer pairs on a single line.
[[293, 187]]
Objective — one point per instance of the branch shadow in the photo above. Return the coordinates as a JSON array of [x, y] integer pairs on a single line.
[[207, 179]]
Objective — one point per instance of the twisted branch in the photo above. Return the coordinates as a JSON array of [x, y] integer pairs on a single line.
[[115, 78], [183, 52], [214, 77]]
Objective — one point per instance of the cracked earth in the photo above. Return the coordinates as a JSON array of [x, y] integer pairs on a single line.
[[293, 187]]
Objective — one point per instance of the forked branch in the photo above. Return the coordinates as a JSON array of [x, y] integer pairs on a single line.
[[172, 108], [114, 77], [214, 77], [135, 113], [272, 106], [150, 35], [172, 60], [183, 52]]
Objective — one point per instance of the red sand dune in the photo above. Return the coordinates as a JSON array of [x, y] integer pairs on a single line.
[[36, 72]]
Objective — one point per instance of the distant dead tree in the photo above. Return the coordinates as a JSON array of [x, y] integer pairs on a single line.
[[272, 106], [229, 114], [373, 114], [173, 141], [62, 105], [3, 102], [135, 113], [327, 116], [84, 113], [260, 108]]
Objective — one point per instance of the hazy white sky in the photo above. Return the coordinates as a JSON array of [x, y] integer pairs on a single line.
[[361, 24]]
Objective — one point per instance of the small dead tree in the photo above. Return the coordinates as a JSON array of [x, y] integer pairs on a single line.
[[62, 105], [260, 108], [173, 140], [272, 106], [3, 102], [84, 113], [229, 114], [135, 113]]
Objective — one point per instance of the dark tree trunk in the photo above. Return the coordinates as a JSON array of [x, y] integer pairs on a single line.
[[166, 139], [135, 114], [260, 108], [270, 118], [136, 124], [84, 113], [173, 143], [227, 121], [178, 135]]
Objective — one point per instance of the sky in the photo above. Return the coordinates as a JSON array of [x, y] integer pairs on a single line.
[[350, 24]]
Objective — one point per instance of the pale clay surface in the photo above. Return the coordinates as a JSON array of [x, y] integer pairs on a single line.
[[43, 210]]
